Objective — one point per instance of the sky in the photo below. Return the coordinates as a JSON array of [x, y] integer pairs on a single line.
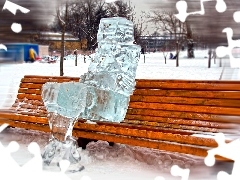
[[41, 12], [212, 22], [144, 5]]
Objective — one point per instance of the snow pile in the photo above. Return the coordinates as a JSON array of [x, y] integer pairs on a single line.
[[158, 159]]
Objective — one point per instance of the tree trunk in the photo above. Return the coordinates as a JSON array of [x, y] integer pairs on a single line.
[[209, 58], [190, 42], [177, 53], [190, 48], [62, 51], [165, 57], [76, 59], [63, 42]]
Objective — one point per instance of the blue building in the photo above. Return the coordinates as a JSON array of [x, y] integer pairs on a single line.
[[17, 52]]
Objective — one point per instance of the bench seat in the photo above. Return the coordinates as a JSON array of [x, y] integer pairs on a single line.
[[170, 115]]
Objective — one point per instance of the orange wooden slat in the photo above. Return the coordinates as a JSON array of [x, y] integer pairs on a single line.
[[188, 81], [145, 128], [188, 93], [26, 101], [52, 77], [186, 108], [189, 122], [30, 86], [150, 128], [32, 126], [171, 84], [224, 128], [30, 112], [30, 96], [29, 91], [184, 115], [39, 82], [142, 80], [187, 85], [183, 100], [28, 106], [44, 80], [24, 118]]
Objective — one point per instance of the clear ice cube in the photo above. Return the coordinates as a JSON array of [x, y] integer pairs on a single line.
[[103, 93]]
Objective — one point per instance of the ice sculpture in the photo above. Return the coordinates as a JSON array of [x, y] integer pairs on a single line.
[[101, 94]]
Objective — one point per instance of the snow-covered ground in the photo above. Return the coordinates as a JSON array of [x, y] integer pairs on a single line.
[[120, 161]]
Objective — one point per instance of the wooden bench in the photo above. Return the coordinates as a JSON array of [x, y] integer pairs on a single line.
[[162, 114]]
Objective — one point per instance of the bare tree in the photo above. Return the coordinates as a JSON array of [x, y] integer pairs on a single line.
[[211, 23], [190, 40], [120, 9], [168, 23], [84, 19], [140, 26], [165, 51], [166, 47], [62, 17]]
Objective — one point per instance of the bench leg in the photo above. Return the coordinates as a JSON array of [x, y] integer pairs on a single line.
[[82, 142], [111, 143]]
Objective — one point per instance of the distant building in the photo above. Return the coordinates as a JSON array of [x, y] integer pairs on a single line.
[[56, 36], [53, 40], [155, 43]]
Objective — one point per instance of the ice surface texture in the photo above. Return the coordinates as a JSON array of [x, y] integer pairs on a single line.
[[102, 93]]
